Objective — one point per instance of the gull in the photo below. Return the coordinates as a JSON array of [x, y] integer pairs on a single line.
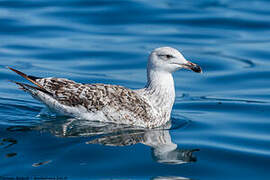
[[149, 107]]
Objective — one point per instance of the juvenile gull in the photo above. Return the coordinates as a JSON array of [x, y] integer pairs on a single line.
[[148, 107]]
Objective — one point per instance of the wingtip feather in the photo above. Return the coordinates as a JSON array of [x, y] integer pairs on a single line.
[[25, 76], [27, 87]]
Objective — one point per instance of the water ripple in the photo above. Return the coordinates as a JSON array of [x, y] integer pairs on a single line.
[[223, 112]]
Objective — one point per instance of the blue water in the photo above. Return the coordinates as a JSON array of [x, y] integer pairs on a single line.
[[220, 121]]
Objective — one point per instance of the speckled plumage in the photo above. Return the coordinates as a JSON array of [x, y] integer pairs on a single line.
[[116, 103], [148, 107]]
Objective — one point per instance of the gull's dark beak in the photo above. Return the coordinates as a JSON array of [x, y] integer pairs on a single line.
[[192, 66]]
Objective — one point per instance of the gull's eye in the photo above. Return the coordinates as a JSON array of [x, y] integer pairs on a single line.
[[168, 56], [165, 56]]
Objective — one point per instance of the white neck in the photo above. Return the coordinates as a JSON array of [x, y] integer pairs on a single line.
[[160, 91], [159, 80]]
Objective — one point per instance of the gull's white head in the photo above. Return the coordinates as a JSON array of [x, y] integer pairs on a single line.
[[167, 59]]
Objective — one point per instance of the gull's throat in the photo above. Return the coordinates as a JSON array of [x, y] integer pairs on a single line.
[[160, 92]]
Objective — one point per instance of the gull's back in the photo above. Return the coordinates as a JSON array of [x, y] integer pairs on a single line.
[[103, 102]]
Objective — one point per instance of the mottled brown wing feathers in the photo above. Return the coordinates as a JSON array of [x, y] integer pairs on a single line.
[[94, 97], [67, 92]]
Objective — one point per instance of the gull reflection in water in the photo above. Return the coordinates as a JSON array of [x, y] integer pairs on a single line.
[[162, 147]]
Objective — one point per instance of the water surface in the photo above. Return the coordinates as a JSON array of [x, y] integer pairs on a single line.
[[220, 120]]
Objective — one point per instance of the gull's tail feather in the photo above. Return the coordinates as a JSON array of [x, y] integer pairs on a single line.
[[27, 87], [29, 78]]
